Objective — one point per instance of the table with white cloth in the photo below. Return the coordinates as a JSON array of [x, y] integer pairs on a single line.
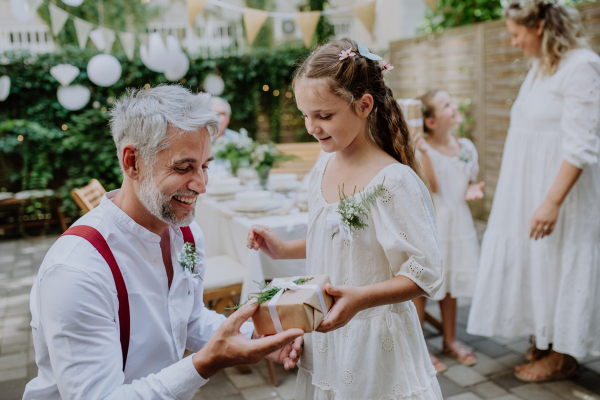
[[227, 235]]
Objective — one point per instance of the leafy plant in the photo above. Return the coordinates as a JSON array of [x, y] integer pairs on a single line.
[[237, 152]]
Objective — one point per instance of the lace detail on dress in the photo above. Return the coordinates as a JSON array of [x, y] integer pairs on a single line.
[[398, 390], [348, 282], [347, 377], [346, 331], [404, 236], [386, 197], [347, 243], [415, 268], [321, 346], [387, 345]]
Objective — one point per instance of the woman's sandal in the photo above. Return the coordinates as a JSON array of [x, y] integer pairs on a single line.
[[461, 353], [534, 354], [437, 364], [547, 369]]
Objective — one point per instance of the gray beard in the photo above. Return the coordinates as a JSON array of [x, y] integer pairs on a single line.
[[159, 203]]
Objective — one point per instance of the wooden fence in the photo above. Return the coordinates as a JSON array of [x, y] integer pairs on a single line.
[[478, 67]]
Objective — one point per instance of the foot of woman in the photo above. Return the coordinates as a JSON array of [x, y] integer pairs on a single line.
[[458, 351], [554, 366], [437, 364]]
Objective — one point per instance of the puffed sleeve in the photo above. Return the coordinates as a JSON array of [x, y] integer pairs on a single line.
[[405, 226], [580, 122]]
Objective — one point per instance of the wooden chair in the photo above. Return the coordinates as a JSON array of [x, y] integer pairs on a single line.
[[88, 197], [306, 153], [222, 284]]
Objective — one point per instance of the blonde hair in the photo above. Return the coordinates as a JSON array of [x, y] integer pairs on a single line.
[[354, 77], [428, 107], [562, 29]]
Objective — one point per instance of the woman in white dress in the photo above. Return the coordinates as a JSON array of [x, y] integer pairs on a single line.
[[539, 272], [451, 166], [370, 346]]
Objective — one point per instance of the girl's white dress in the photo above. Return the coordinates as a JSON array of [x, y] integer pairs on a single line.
[[549, 288], [381, 352], [457, 235]]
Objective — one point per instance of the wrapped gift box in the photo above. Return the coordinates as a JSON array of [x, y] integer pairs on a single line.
[[295, 308], [413, 114]]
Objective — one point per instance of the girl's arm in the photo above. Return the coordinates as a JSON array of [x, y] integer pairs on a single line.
[[428, 168], [547, 213], [264, 238], [351, 300]]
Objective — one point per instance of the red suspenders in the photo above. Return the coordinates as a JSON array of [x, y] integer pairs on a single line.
[[97, 240]]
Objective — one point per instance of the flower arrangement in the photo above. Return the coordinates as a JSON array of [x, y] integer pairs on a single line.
[[188, 259], [351, 210], [264, 157], [237, 152]]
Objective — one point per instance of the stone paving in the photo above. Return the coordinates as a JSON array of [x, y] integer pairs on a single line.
[[490, 378]]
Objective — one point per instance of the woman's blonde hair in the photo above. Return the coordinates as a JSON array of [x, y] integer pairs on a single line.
[[428, 107], [350, 79], [562, 29]]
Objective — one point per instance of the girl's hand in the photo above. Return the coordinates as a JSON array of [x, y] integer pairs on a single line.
[[419, 141], [474, 191], [347, 305], [543, 220], [263, 238]]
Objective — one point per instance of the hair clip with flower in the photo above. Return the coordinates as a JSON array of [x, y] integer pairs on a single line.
[[346, 53], [387, 67]]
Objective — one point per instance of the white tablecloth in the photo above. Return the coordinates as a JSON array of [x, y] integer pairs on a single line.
[[226, 235]]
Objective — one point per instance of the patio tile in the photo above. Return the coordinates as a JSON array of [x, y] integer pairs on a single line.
[[244, 380], [570, 391], [509, 397], [287, 388], [219, 389], [588, 380], [507, 380], [449, 388], [520, 347], [489, 390], [487, 365], [263, 392], [594, 366], [464, 336], [465, 396], [490, 348], [464, 376], [511, 360], [533, 391], [434, 344]]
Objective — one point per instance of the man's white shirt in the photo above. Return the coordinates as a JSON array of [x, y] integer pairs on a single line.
[[75, 321]]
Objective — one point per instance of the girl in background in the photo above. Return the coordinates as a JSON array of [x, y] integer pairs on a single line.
[[370, 346], [451, 167]]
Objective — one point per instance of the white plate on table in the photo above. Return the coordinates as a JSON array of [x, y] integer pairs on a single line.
[[268, 205], [222, 190], [287, 187]]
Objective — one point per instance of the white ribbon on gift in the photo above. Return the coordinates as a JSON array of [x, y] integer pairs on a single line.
[[283, 286], [335, 225]]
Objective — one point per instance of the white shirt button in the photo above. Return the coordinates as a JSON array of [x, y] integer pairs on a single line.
[[157, 259]]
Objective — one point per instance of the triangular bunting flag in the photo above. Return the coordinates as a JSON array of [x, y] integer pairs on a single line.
[[83, 29], [253, 21], [194, 8], [97, 37], [58, 17], [109, 39], [432, 4], [128, 43], [307, 22], [366, 14], [33, 5]]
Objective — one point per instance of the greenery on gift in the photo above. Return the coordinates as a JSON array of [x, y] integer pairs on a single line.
[[266, 156], [266, 293]]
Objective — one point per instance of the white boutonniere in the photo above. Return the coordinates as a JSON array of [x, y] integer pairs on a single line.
[[188, 259], [348, 218]]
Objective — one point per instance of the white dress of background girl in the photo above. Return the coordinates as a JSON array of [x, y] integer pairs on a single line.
[[457, 235]]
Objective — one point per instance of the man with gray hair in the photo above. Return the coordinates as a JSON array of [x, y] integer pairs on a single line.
[[118, 297], [223, 110]]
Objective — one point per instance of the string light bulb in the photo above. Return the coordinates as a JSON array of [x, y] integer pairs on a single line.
[[20, 138], [266, 88], [64, 127], [275, 93]]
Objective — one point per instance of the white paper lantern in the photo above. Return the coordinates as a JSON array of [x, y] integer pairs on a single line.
[[104, 70], [74, 3], [155, 56], [180, 64], [4, 87], [24, 10], [214, 84], [64, 73], [73, 97]]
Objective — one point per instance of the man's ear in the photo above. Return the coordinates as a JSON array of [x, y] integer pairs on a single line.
[[430, 123], [131, 161], [364, 105]]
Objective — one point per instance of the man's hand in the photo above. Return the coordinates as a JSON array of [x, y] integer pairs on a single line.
[[227, 347]]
